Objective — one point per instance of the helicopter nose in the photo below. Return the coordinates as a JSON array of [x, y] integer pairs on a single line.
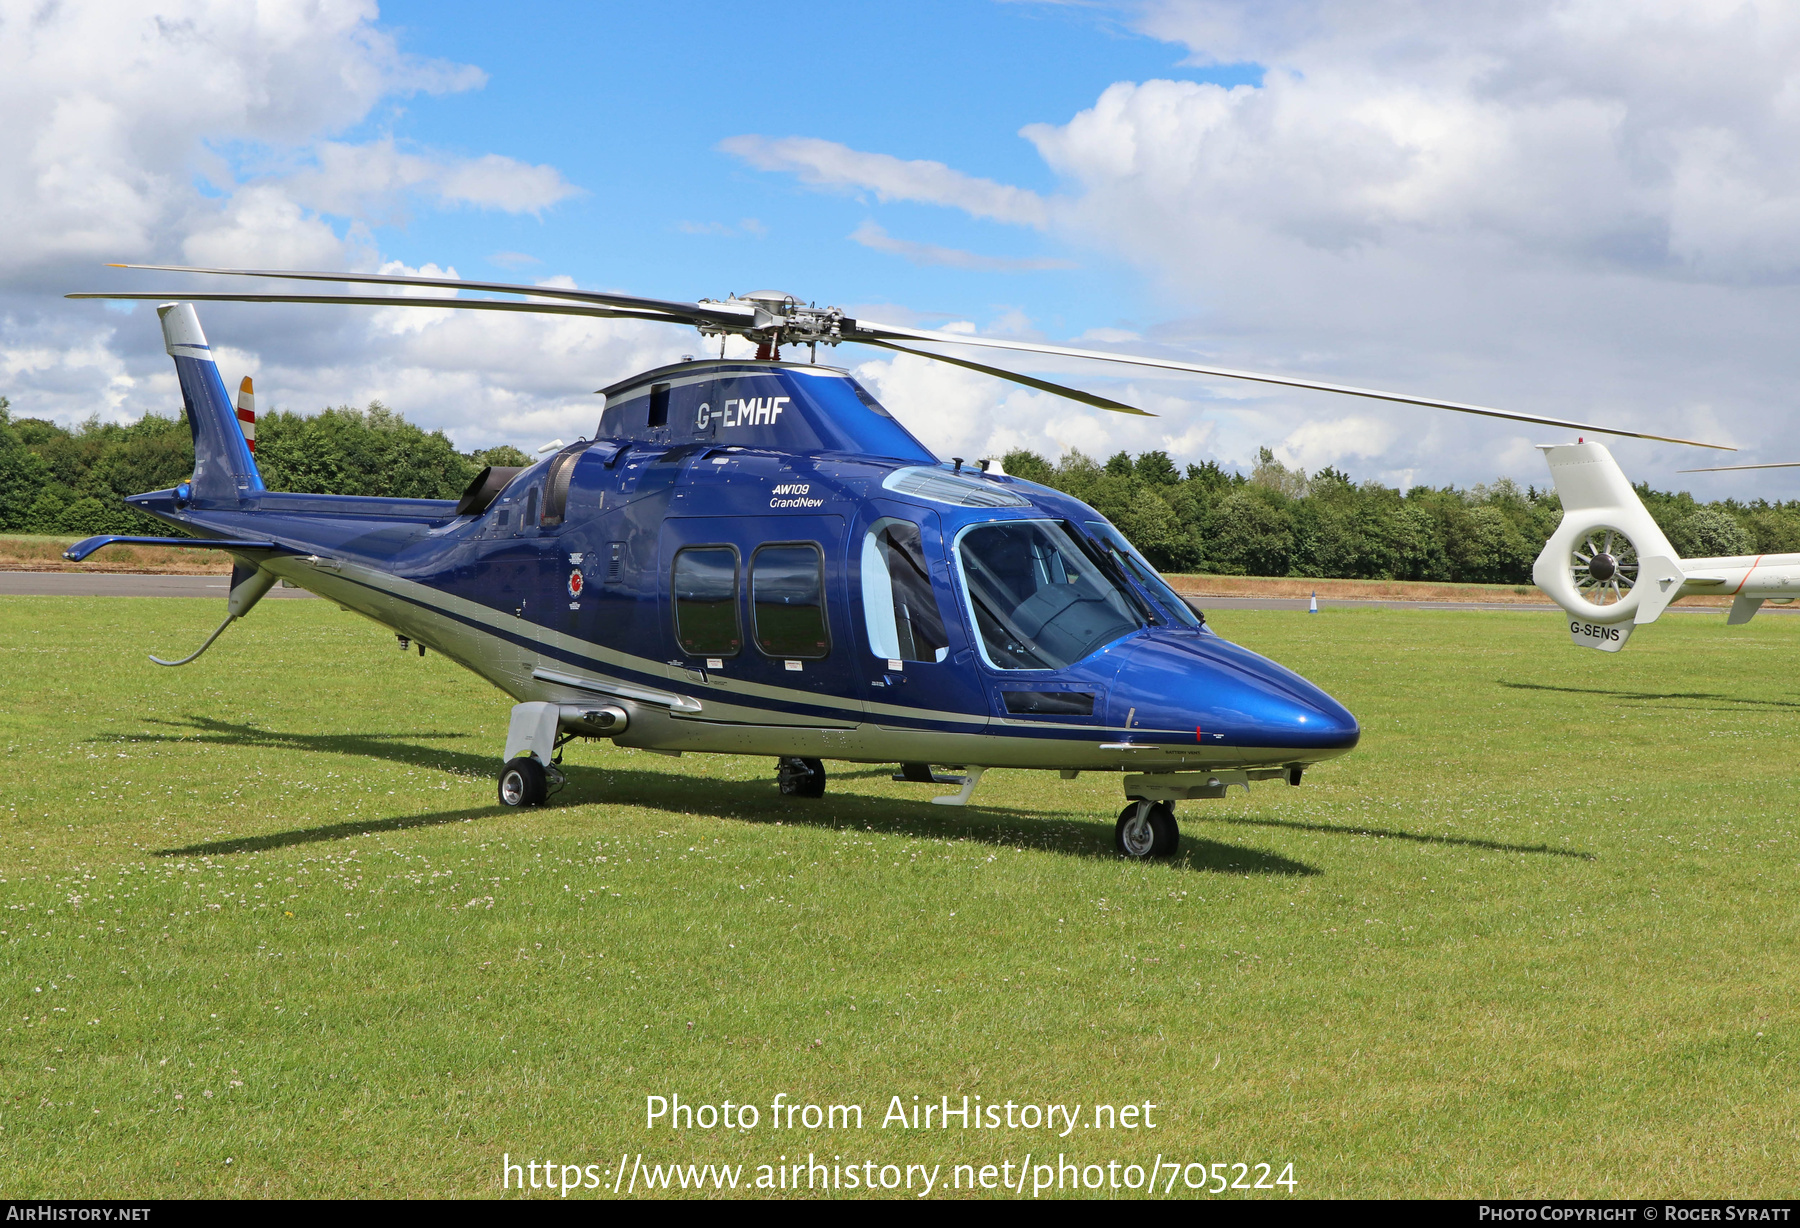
[[1230, 696]]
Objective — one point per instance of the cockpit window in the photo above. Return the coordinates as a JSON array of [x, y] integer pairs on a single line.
[[1039, 600], [1135, 565]]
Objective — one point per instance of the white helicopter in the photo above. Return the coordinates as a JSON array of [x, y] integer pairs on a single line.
[[1611, 568]]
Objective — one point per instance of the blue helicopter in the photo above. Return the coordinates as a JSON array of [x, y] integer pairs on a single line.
[[754, 557]]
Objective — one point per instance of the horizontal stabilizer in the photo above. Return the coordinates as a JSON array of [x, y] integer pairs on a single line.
[[81, 549]]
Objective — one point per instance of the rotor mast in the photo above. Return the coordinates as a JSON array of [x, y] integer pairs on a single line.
[[776, 319]]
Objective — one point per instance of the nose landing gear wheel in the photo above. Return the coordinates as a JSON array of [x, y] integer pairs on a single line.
[[800, 777], [523, 782], [1146, 829]]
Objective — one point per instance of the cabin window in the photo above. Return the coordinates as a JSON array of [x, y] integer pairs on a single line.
[[899, 608], [787, 596], [531, 509], [659, 405], [1039, 600], [706, 609]]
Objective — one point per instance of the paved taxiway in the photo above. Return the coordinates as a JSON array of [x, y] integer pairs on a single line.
[[115, 584]]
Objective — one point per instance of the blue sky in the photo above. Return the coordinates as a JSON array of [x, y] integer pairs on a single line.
[[631, 104]]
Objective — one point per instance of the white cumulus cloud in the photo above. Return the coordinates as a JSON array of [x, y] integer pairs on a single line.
[[1568, 207], [871, 235], [831, 165], [211, 132]]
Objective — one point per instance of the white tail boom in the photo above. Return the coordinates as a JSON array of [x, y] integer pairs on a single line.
[[1611, 569]]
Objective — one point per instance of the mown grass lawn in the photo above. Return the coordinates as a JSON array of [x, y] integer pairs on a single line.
[[266, 932]]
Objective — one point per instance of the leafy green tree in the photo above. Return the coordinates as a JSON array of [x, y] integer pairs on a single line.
[[23, 474], [1772, 529], [1152, 526], [347, 451], [1250, 535], [57, 480], [1276, 476], [1028, 465], [1710, 533], [1486, 548], [1156, 469], [505, 456], [1210, 477]]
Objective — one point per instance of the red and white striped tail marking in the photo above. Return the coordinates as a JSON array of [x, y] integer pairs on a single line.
[[246, 412]]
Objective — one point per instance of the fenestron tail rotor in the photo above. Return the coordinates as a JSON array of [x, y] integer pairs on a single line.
[[773, 320], [1604, 566]]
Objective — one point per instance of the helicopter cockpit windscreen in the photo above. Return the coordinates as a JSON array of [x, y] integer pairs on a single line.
[[1040, 601], [1133, 563]]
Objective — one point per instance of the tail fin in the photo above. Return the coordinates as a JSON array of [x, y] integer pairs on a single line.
[[1608, 564], [224, 469]]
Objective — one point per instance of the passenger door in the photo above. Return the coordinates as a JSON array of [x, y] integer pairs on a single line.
[[787, 610], [913, 655]]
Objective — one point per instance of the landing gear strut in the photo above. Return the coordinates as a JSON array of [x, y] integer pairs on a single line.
[[800, 777], [1146, 829]]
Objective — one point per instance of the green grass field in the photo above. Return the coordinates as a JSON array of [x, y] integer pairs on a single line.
[[266, 932]]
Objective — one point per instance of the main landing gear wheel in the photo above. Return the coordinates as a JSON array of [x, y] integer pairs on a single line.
[[523, 782], [1146, 829], [800, 777]]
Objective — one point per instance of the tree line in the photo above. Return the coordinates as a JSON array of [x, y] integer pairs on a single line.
[[1281, 521], [54, 480], [1273, 521]]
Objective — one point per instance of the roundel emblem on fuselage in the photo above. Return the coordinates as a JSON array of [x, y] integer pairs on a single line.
[[575, 582]]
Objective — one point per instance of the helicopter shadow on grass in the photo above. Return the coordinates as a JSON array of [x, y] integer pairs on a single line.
[[1384, 833], [209, 731], [1654, 696], [739, 801], [1010, 827]]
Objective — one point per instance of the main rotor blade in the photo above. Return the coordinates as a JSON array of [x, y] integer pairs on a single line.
[[396, 300], [1073, 394], [866, 330], [1734, 468], [684, 312]]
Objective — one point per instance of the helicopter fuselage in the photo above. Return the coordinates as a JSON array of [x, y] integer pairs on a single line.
[[756, 558]]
